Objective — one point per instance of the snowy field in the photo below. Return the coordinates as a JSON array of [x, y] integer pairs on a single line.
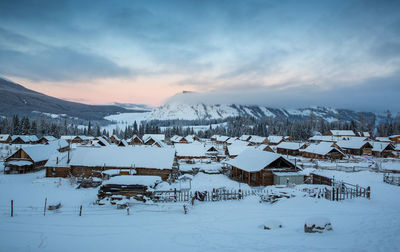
[[358, 224]]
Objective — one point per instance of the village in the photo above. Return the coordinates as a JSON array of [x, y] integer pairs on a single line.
[[154, 176]]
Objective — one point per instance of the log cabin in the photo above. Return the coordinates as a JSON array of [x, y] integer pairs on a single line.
[[156, 137], [245, 137], [290, 148], [194, 150], [46, 139], [257, 140], [233, 150], [5, 138], [395, 139], [340, 133], [29, 158], [24, 139], [322, 150], [178, 139], [91, 161], [135, 140], [123, 143], [355, 146], [275, 140], [384, 150], [114, 139], [265, 147], [256, 167]]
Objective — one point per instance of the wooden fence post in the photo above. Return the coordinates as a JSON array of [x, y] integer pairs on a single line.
[[127, 210], [45, 206], [12, 208], [80, 211]]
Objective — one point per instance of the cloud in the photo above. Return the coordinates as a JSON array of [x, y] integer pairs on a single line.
[[27, 58], [377, 94]]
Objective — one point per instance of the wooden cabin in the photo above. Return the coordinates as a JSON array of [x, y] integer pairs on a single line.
[[29, 159], [114, 139], [290, 148], [24, 139], [395, 139], [46, 139], [194, 150], [5, 138], [179, 139], [265, 147], [123, 143], [135, 140], [322, 150], [355, 146], [91, 161], [383, 150], [256, 167], [341, 133], [257, 140], [275, 140]]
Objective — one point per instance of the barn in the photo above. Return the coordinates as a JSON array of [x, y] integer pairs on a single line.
[[257, 167]]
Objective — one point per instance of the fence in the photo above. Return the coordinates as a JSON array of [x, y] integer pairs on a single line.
[[340, 190], [391, 179], [214, 195]]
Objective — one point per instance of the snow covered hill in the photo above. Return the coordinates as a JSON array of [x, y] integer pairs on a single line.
[[201, 111]]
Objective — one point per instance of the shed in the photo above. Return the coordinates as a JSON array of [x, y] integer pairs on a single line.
[[284, 178]]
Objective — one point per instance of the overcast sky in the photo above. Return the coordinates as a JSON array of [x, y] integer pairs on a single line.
[[344, 54]]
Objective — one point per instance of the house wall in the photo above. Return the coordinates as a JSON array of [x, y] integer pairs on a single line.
[[78, 171], [282, 180]]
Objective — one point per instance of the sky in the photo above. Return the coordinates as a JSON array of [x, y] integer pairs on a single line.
[[342, 54]]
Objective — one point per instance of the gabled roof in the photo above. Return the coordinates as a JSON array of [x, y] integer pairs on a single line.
[[381, 146], [322, 148], [290, 145], [25, 138], [354, 144], [342, 133], [257, 139], [48, 138], [102, 141], [159, 137], [140, 156], [253, 160], [237, 147], [222, 138], [383, 139], [275, 139], [39, 152], [265, 147], [133, 138], [177, 139], [4, 137], [244, 137], [123, 143], [190, 150]]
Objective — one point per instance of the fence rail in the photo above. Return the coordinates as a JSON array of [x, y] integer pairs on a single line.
[[214, 195], [340, 190]]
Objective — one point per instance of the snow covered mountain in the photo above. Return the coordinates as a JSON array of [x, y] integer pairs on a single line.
[[182, 111]]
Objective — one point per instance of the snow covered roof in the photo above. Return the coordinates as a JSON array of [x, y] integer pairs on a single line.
[[231, 140], [257, 139], [244, 137], [253, 160], [59, 143], [177, 139], [123, 142], [103, 141], [59, 159], [322, 148], [19, 162], [133, 180], [383, 139], [290, 145], [342, 132], [39, 152], [25, 138], [191, 138], [4, 137], [222, 138], [67, 137], [381, 146], [275, 139], [49, 138], [159, 137], [190, 150], [237, 147], [264, 147], [353, 143], [325, 138], [140, 156]]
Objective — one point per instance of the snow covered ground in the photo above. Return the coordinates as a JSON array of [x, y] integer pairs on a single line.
[[358, 224]]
